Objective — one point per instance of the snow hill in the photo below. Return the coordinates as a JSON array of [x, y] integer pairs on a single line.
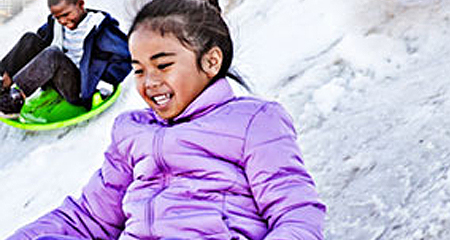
[[366, 81]]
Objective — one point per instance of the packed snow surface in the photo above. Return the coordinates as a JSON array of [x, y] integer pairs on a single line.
[[366, 82]]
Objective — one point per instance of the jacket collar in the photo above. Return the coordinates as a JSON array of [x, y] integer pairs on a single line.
[[212, 97]]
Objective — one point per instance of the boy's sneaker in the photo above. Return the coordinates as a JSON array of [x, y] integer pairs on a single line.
[[10, 103]]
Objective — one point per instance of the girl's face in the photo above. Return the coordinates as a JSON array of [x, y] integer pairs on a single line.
[[166, 72]]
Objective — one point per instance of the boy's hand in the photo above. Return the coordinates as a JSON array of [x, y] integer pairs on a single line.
[[7, 81]]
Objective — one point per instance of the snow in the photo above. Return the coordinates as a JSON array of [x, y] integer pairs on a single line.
[[365, 81]]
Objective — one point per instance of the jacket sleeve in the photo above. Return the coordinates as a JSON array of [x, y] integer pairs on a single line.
[[283, 190], [42, 30], [97, 214], [46, 30], [112, 47]]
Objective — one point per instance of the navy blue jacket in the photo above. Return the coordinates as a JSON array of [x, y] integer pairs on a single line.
[[105, 54]]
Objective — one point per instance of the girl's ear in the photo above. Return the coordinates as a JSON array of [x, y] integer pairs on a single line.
[[212, 62], [81, 4]]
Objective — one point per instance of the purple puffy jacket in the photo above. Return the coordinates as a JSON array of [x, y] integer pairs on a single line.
[[227, 168]]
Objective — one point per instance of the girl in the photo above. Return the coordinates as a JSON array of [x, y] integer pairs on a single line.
[[201, 163]]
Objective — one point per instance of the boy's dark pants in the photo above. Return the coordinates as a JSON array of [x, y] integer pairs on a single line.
[[32, 65]]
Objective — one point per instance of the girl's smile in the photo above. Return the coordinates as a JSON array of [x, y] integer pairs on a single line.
[[162, 99], [167, 75]]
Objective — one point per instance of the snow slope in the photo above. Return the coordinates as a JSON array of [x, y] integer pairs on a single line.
[[366, 82]]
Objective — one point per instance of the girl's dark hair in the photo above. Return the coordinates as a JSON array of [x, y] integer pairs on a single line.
[[56, 2], [197, 24]]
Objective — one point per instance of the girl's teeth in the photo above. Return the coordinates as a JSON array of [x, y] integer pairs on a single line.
[[162, 99]]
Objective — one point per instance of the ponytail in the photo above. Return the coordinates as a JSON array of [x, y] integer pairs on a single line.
[[215, 4], [195, 23]]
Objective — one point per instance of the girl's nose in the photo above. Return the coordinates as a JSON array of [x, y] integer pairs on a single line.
[[152, 82]]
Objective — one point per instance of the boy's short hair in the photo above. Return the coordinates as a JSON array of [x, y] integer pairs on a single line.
[[56, 2]]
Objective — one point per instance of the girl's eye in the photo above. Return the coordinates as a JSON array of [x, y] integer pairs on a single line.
[[138, 71], [163, 66]]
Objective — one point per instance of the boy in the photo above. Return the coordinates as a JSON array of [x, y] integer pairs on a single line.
[[72, 52]]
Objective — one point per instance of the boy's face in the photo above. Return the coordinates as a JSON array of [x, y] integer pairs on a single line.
[[68, 14]]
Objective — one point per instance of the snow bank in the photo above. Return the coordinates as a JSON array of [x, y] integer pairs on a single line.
[[365, 81]]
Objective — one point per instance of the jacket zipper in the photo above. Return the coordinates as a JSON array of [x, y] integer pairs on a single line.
[[157, 147], [159, 161]]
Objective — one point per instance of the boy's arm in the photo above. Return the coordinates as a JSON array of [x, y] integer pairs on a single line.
[[113, 48], [97, 214], [42, 30], [46, 30], [283, 190]]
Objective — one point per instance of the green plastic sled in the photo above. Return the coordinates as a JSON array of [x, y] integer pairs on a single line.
[[48, 110]]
